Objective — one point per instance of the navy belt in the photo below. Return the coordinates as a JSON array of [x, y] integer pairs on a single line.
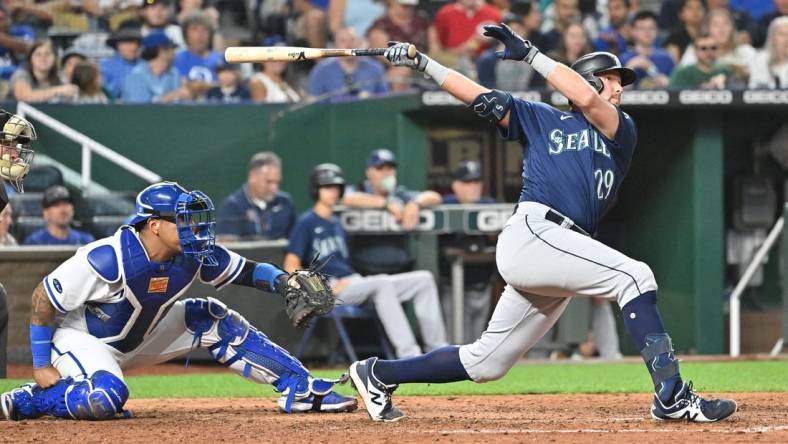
[[556, 218]]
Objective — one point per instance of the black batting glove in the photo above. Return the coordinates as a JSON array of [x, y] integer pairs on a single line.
[[397, 55], [516, 47]]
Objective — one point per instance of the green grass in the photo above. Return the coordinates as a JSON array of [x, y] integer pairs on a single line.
[[762, 376]]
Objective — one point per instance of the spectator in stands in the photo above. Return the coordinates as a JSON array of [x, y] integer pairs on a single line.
[[356, 14], [401, 22], [259, 209], [38, 80], [455, 38], [691, 13], [770, 68], [189, 7], [155, 79], [467, 189], [71, 58], [197, 63], [270, 86], [30, 13], [574, 43], [616, 36], [563, 14], [780, 10], [652, 64], [229, 89], [309, 23], [386, 254], [505, 76], [347, 76], [6, 220], [126, 43], [706, 73], [739, 56], [15, 42], [87, 77], [745, 26], [58, 214], [155, 16], [318, 232]]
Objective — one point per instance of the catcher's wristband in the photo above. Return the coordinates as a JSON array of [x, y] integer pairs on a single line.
[[41, 345]]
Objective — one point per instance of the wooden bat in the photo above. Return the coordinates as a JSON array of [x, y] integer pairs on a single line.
[[258, 54]]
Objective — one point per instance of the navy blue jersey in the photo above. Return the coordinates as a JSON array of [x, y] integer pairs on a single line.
[[568, 164], [240, 216], [312, 234]]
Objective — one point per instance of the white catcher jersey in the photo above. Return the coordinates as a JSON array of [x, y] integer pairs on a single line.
[[111, 290]]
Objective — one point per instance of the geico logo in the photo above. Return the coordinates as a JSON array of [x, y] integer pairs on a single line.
[[702, 97], [645, 97], [382, 221], [766, 96], [492, 220], [556, 98], [438, 98], [532, 96]]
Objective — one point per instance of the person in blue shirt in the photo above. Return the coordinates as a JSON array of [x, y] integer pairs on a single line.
[[155, 79], [319, 233], [614, 38], [574, 163], [126, 43], [197, 63], [652, 64], [258, 209], [346, 77], [58, 213]]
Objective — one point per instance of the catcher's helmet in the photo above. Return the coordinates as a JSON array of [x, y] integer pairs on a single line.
[[595, 63], [326, 174], [191, 211], [15, 153]]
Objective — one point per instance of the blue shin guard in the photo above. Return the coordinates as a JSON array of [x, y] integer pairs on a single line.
[[246, 350]]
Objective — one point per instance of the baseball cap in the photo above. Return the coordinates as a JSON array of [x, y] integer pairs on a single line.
[[381, 157], [408, 2], [156, 39], [124, 35], [54, 195], [467, 171]]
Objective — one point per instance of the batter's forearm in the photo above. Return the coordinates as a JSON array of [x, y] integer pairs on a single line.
[[42, 312], [572, 86], [461, 87]]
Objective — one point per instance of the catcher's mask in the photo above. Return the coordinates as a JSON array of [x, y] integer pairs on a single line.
[[192, 213], [16, 156]]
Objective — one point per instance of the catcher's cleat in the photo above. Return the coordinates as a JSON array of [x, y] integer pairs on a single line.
[[691, 407], [9, 401], [375, 394], [331, 403]]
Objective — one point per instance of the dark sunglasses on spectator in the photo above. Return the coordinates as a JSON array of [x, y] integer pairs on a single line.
[[707, 48]]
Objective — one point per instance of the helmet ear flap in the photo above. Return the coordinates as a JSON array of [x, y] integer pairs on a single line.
[[596, 82]]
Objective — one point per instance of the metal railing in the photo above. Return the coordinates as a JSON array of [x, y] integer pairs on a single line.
[[734, 301], [89, 146]]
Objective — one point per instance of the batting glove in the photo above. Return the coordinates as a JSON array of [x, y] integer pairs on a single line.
[[516, 47], [397, 55]]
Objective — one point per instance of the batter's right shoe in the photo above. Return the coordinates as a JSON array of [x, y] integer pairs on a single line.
[[375, 394], [691, 407]]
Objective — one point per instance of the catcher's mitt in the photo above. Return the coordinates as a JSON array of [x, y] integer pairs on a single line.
[[308, 294]]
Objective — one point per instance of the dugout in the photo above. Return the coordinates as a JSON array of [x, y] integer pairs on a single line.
[[679, 200]]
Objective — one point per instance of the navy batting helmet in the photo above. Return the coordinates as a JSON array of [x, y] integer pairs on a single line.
[[591, 65], [191, 211], [326, 174]]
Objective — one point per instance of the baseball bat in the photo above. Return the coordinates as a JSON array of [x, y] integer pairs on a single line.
[[258, 54]]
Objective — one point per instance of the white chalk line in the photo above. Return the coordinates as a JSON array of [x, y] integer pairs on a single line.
[[763, 429]]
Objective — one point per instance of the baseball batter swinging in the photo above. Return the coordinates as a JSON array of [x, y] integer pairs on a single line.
[[114, 305], [573, 165]]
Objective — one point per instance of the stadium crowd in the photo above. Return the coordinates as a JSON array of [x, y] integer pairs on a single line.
[[142, 51]]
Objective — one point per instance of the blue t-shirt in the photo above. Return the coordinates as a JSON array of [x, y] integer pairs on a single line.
[[601, 44], [568, 164], [452, 199], [142, 86], [314, 235], [196, 67], [659, 57], [239, 216], [329, 77], [42, 237], [114, 71]]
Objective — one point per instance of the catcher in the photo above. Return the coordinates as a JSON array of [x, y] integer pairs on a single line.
[[114, 305]]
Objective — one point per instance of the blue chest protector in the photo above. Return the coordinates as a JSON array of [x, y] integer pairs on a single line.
[[148, 287]]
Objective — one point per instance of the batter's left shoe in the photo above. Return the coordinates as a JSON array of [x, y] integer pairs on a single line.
[[331, 403], [691, 407]]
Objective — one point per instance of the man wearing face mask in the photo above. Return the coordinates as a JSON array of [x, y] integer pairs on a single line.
[[389, 253]]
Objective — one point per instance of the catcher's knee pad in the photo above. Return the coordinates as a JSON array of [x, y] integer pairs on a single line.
[[246, 350], [101, 396]]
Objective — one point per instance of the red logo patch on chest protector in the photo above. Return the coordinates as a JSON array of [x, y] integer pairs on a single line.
[[158, 284]]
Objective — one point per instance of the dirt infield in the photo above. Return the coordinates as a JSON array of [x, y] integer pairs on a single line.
[[763, 417]]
